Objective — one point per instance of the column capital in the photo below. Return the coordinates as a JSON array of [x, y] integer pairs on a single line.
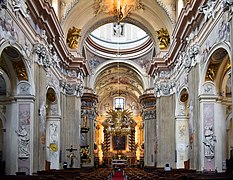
[[89, 99], [148, 101]]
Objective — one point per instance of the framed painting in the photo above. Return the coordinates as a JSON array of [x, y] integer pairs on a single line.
[[119, 142]]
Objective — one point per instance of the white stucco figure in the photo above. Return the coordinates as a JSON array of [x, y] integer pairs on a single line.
[[209, 142], [23, 142]]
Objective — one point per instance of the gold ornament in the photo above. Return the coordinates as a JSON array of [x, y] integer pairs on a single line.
[[53, 147], [72, 37]]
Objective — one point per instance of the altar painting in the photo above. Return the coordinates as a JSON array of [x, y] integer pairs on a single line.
[[119, 142]]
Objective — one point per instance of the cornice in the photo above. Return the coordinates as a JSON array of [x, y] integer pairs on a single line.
[[188, 16], [42, 13], [162, 5], [115, 51], [90, 97]]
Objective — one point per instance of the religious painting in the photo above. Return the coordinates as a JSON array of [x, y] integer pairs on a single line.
[[119, 142]]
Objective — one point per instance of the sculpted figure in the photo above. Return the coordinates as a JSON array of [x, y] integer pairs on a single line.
[[72, 37], [163, 37], [23, 142], [209, 142]]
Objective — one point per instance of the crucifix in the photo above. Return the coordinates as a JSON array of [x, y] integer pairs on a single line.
[[71, 155]]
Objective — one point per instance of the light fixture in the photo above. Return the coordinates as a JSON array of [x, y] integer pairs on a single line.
[[118, 8]]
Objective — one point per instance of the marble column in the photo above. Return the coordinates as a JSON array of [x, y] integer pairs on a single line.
[[88, 122], [148, 102]]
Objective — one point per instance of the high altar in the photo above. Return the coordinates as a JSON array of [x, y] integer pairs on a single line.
[[119, 136]]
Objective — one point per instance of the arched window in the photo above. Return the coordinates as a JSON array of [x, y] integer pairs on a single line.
[[119, 102]]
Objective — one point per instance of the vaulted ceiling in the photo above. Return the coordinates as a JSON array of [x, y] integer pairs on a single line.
[[118, 77]]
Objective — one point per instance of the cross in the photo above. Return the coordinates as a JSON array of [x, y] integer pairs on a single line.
[[71, 155]]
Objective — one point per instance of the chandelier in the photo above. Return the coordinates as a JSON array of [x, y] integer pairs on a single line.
[[119, 122], [118, 8]]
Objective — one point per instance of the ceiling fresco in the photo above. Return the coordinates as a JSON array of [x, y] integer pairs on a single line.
[[116, 81], [167, 5]]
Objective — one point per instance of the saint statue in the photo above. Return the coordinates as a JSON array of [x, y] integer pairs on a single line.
[[72, 37], [163, 37], [23, 142]]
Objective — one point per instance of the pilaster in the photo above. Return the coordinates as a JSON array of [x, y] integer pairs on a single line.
[[148, 102], [207, 132], [70, 130], [88, 122]]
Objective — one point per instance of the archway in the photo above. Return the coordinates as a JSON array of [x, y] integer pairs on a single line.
[[216, 104], [17, 114], [119, 86]]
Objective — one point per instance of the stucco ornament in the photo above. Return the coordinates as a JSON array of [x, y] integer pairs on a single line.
[[227, 5], [7, 28], [46, 56], [72, 88], [209, 9], [20, 6]]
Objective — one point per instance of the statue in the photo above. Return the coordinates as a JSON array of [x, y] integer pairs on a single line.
[[72, 37], [23, 141], [209, 142], [117, 30], [163, 37], [43, 35], [211, 72]]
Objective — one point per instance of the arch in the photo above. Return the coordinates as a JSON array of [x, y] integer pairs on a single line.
[[4, 44], [155, 17], [7, 81], [111, 20], [215, 47], [108, 64], [211, 100]]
